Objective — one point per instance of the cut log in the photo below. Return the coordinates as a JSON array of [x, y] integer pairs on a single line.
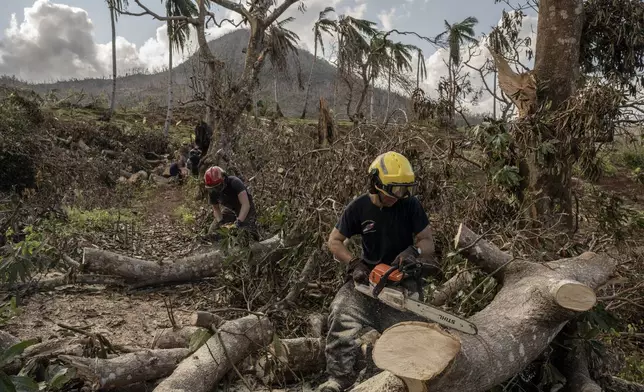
[[206, 320], [519, 323], [52, 283], [317, 325], [290, 359], [127, 369], [173, 337], [450, 288], [48, 350], [141, 273], [234, 341]]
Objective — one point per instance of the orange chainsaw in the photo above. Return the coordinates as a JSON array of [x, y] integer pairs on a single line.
[[386, 285]]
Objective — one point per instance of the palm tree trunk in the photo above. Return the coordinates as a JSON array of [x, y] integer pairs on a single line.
[[113, 101], [389, 91], [418, 71], [308, 85], [371, 106], [494, 98], [168, 116]]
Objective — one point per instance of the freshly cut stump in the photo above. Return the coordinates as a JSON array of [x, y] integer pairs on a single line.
[[573, 295], [414, 350]]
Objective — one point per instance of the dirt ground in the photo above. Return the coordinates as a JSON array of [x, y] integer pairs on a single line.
[[124, 318]]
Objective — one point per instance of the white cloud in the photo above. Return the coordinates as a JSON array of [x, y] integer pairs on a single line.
[[386, 18], [55, 41]]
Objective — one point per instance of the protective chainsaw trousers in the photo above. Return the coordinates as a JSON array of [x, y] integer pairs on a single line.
[[352, 313]]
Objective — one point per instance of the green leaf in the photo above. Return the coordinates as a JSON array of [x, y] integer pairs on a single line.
[[6, 383], [58, 376], [198, 338], [9, 354], [279, 348], [24, 384]]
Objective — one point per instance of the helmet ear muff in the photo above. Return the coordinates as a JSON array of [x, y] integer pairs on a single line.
[[373, 181]]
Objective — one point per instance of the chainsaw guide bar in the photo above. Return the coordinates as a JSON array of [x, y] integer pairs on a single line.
[[397, 300]]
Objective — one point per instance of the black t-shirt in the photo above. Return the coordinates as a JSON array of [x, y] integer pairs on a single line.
[[229, 196], [385, 231]]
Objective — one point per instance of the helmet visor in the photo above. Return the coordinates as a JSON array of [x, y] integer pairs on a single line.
[[400, 191]]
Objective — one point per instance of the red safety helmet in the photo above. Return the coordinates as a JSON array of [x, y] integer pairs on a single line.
[[214, 177]]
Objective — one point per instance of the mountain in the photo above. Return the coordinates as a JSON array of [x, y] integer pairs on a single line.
[[151, 89]]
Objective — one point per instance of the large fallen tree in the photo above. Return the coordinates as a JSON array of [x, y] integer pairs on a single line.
[[141, 273], [533, 305], [231, 343]]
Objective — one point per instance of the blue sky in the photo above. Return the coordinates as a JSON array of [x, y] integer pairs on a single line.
[[46, 40]]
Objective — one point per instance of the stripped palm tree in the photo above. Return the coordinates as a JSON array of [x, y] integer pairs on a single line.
[[178, 36], [115, 7], [280, 43], [456, 35], [354, 45], [322, 25], [399, 60], [421, 68]]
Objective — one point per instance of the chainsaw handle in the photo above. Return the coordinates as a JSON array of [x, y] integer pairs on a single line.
[[383, 281]]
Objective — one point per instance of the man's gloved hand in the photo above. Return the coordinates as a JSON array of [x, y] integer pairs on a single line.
[[359, 270], [406, 258]]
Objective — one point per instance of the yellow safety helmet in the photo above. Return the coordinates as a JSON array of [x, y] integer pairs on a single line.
[[392, 174]]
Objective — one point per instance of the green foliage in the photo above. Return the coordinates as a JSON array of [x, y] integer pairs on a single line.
[[19, 383], [633, 367], [20, 259], [97, 219], [186, 215], [632, 157], [613, 41], [199, 338]]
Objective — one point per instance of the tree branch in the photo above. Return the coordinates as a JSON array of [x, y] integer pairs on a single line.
[[238, 8], [157, 16], [278, 11]]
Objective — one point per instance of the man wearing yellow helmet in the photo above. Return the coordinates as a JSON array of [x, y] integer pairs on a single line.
[[394, 230]]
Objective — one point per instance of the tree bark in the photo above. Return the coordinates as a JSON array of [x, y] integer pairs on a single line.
[[308, 84], [127, 369], [47, 350], [557, 69], [140, 273], [173, 337], [450, 288], [234, 341], [168, 116], [206, 320], [533, 305], [290, 359], [575, 370], [113, 100]]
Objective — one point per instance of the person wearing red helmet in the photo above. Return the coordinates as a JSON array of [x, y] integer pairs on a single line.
[[231, 201]]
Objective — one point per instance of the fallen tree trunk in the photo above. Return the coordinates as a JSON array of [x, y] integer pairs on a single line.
[[47, 350], [290, 359], [206, 320], [450, 288], [140, 273], [533, 305], [63, 280], [173, 337], [126, 369], [234, 341], [575, 370]]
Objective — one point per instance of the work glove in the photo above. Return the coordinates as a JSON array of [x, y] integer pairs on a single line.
[[359, 271]]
